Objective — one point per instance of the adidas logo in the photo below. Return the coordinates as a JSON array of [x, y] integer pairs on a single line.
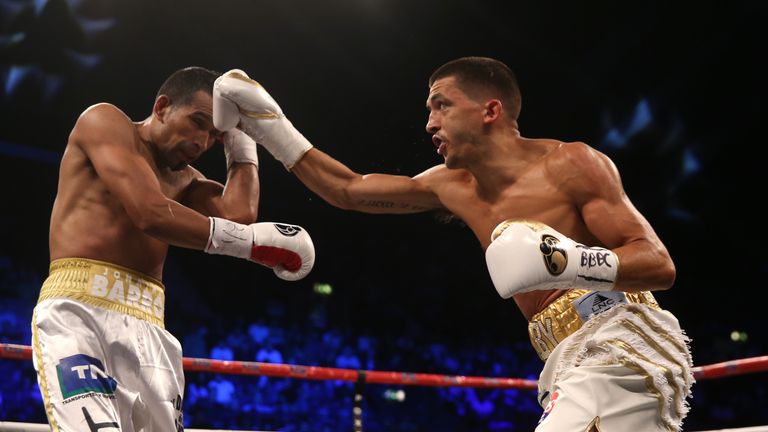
[[593, 303], [601, 303]]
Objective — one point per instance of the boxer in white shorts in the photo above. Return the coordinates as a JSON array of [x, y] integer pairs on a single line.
[[126, 377], [614, 360], [621, 347], [126, 193], [494, 179]]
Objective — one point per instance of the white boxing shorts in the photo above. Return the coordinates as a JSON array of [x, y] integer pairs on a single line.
[[103, 358], [625, 366]]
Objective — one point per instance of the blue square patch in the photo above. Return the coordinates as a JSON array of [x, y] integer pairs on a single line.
[[79, 374]]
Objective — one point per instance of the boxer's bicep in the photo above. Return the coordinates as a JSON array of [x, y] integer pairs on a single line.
[[204, 196], [607, 210]]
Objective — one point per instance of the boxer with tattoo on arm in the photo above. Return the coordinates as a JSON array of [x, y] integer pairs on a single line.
[[560, 237]]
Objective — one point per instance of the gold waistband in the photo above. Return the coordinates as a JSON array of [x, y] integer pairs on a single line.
[[571, 310], [107, 286]]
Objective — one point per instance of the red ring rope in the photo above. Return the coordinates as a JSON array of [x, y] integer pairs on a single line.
[[717, 370]]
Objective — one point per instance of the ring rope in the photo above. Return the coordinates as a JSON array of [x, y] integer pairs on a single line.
[[362, 377], [717, 370]]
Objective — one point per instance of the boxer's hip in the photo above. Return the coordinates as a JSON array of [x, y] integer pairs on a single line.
[[569, 312], [107, 286]]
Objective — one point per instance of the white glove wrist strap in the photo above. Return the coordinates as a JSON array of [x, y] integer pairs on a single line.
[[289, 146], [229, 238], [298, 145], [597, 268], [239, 147]]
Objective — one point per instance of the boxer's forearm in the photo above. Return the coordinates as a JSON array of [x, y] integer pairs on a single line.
[[327, 177], [368, 193], [645, 266], [241, 194], [172, 223]]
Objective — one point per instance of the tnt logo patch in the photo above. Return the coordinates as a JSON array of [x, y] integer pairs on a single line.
[[80, 374]]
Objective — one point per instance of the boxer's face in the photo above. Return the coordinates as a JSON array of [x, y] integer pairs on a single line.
[[187, 131], [454, 122]]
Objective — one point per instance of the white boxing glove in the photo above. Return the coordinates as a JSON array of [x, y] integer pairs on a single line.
[[226, 116], [286, 249], [258, 115], [526, 256], [239, 147]]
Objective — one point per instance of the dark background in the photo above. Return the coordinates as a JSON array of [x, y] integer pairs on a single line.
[[673, 93]]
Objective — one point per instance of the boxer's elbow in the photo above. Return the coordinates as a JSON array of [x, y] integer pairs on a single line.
[[654, 272], [669, 274], [150, 223], [245, 213], [152, 217], [348, 201], [665, 274], [362, 193], [344, 201], [245, 216], [341, 195]]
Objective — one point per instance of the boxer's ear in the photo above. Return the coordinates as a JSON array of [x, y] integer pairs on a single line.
[[492, 111]]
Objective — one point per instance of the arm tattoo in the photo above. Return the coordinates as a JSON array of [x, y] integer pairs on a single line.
[[414, 207], [380, 204], [392, 205]]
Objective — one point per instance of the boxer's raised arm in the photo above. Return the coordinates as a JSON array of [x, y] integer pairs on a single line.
[[370, 193], [242, 102], [238, 199], [107, 137]]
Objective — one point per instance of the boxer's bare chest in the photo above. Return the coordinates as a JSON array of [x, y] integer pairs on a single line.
[[532, 197]]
